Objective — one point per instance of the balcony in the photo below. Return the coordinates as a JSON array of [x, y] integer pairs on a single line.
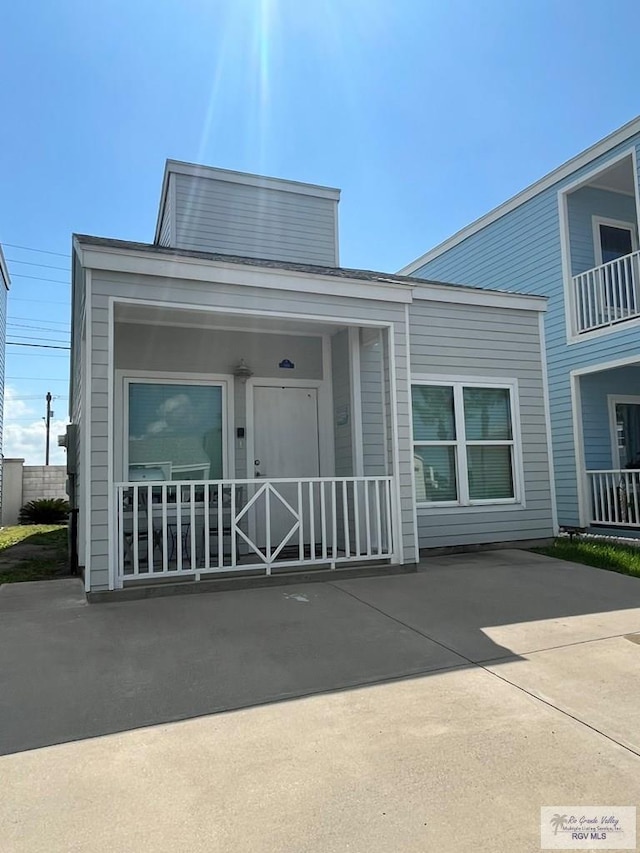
[[608, 294], [613, 498]]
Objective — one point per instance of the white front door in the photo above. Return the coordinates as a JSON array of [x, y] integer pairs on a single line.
[[285, 444]]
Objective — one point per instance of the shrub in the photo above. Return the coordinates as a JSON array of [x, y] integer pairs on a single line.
[[44, 511]]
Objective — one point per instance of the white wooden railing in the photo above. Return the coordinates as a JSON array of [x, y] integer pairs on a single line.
[[168, 529], [614, 497], [607, 294]]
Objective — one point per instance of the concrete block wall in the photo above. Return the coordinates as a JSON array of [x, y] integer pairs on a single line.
[[23, 483]]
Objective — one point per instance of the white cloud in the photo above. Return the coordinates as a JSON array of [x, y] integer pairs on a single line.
[[24, 432]]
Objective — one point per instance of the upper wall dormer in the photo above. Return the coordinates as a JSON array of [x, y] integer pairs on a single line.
[[233, 213]]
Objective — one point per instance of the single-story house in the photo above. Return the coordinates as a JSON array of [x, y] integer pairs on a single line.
[[241, 403]]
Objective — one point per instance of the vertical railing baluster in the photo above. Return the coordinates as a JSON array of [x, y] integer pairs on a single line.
[[634, 483], [323, 519], [356, 515], [220, 526], [120, 510], [165, 548], [367, 519], [334, 528], [233, 524], [609, 515], [179, 527], [378, 518], [192, 521], [267, 521], [136, 520], [388, 513], [150, 529], [300, 523], [312, 522], [345, 519], [206, 508]]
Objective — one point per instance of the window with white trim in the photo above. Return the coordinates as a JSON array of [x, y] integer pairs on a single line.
[[174, 429], [464, 447]]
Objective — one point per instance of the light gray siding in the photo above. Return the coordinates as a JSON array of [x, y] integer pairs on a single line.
[[342, 414], [374, 427], [214, 215], [200, 296], [499, 344], [165, 237]]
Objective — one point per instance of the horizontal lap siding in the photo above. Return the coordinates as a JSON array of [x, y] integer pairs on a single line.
[[342, 414], [165, 236], [105, 284], [521, 252], [236, 219], [373, 415], [435, 350]]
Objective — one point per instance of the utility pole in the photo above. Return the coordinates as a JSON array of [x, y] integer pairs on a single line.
[[48, 426]]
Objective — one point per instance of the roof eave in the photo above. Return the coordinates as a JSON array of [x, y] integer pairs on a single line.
[[622, 134]]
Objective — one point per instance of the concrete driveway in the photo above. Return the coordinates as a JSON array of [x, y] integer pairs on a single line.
[[434, 711]]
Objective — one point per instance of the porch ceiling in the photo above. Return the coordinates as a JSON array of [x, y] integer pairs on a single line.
[[152, 315], [618, 177]]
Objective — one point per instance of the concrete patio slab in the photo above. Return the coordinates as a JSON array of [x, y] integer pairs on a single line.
[[597, 682], [69, 670], [488, 605], [453, 762]]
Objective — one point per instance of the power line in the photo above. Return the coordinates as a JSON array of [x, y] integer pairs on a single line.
[[44, 346], [35, 379], [39, 329], [43, 251], [34, 264], [39, 278], [36, 339], [40, 301]]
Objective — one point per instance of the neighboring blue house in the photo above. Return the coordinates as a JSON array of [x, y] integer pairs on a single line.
[[573, 237]]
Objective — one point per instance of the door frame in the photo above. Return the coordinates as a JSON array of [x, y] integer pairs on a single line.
[[326, 449], [597, 221], [612, 402]]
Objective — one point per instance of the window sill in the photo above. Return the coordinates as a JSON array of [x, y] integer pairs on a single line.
[[490, 506]]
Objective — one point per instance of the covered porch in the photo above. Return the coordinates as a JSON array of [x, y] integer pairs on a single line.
[[610, 437], [249, 443]]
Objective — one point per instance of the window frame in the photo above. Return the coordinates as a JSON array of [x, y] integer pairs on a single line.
[[125, 378], [621, 225], [458, 384]]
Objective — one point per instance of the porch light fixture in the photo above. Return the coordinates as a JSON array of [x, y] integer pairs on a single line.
[[242, 370]]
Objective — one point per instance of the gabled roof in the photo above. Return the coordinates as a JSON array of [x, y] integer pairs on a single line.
[[4, 272], [592, 153]]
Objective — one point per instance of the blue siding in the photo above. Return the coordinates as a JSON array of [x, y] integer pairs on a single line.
[[582, 205], [595, 389], [521, 252]]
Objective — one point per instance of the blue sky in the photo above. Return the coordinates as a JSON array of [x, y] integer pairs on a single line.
[[426, 113]]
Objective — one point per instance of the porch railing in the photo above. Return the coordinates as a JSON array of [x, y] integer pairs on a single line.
[[193, 528], [614, 497], [607, 294]]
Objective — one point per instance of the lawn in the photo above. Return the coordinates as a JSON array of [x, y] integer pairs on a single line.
[[592, 552], [33, 552]]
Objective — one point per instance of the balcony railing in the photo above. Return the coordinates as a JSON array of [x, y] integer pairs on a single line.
[[189, 528], [614, 497], [608, 294]]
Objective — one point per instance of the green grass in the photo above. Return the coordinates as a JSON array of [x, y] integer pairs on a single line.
[[603, 555], [32, 552], [37, 534]]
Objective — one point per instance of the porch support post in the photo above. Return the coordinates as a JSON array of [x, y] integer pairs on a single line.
[[398, 545]]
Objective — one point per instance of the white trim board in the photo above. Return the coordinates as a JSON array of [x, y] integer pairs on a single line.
[[618, 137]]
